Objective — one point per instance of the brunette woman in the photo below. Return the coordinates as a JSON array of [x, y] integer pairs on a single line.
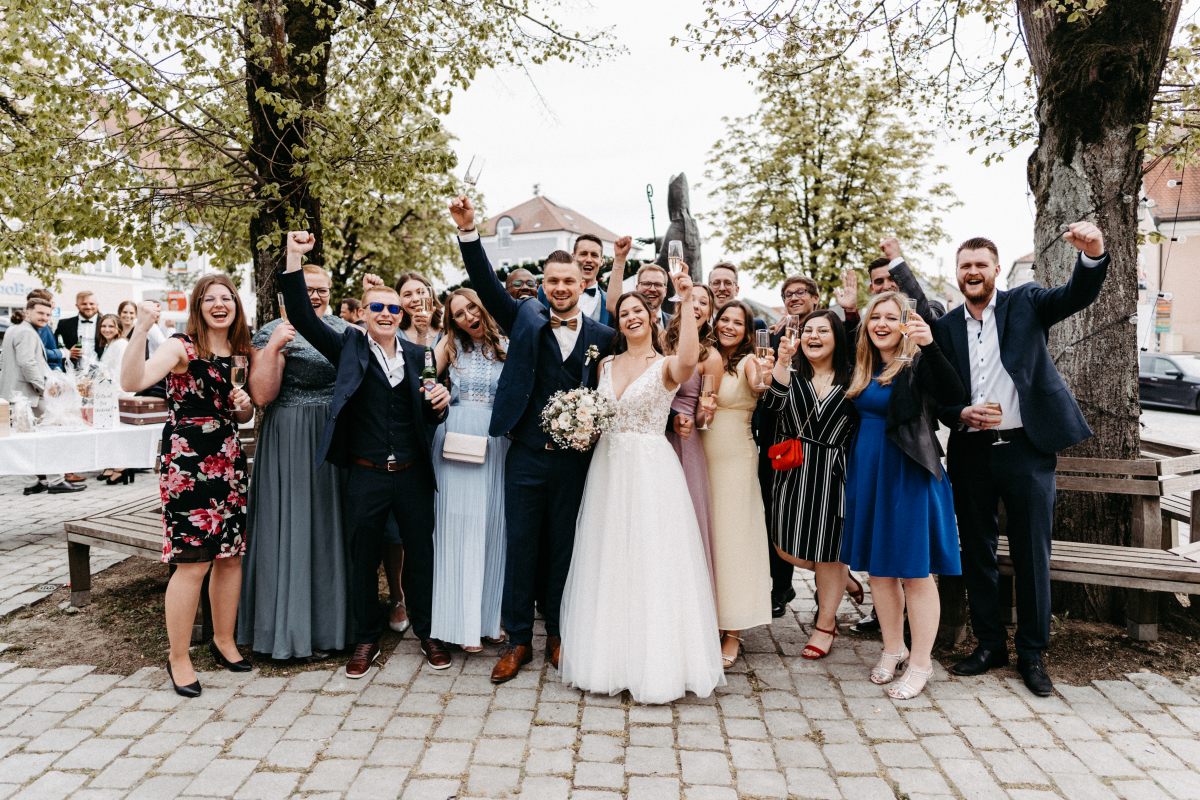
[[808, 499], [691, 412], [127, 313], [900, 523], [468, 567], [203, 478], [739, 526]]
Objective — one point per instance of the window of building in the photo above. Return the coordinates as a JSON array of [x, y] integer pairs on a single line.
[[504, 229]]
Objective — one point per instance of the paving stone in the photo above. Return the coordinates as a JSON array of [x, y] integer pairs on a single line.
[[705, 767], [653, 789], [595, 747], [429, 788], [549, 762], [655, 735], [222, 777], [93, 754], [269, 786], [1014, 767], [865, 788], [123, 773], [596, 774], [544, 788], [849, 759], [445, 758], [52, 784], [498, 752]]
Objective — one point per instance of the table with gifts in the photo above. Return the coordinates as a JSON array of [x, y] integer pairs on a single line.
[[51, 451]]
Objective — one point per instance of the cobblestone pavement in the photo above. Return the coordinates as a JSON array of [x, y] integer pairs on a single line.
[[782, 727]]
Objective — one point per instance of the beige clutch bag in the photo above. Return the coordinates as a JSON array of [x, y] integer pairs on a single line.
[[465, 447]]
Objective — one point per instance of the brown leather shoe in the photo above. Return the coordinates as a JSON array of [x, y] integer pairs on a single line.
[[510, 662], [437, 655], [360, 662], [553, 649]]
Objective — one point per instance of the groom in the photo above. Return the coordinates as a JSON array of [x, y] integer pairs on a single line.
[[550, 350]]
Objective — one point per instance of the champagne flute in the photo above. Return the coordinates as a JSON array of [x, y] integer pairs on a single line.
[[995, 407], [675, 263], [706, 391], [425, 306], [792, 331], [470, 178], [908, 306], [237, 371], [282, 307], [762, 350]]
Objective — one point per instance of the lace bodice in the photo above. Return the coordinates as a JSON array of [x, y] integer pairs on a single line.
[[474, 376], [308, 377], [646, 404]]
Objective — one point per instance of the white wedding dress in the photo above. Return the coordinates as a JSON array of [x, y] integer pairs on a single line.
[[638, 611]]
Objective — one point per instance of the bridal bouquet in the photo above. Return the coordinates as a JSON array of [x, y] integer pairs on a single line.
[[575, 419]]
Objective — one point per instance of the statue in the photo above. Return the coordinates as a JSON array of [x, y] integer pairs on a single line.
[[682, 227]]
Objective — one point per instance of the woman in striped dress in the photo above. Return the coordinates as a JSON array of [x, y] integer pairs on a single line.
[[808, 502]]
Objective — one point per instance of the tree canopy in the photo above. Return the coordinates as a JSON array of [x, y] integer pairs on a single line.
[[820, 173]]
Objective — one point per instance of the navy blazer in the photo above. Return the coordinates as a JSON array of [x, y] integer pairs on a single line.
[[523, 321], [1024, 316], [350, 352]]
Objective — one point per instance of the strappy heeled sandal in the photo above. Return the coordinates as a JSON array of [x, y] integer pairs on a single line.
[[858, 595], [908, 688], [729, 661], [814, 653], [885, 670]]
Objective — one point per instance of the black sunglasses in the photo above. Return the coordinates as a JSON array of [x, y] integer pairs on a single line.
[[377, 307]]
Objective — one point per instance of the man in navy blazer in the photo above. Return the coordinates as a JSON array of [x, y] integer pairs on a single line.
[[549, 349], [997, 342], [588, 253], [380, 429]]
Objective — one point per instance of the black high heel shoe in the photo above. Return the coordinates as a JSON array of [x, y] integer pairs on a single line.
[[233, 666], [191, 690], [122, 476]]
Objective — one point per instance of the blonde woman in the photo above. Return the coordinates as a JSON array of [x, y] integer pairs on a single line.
[[900, 523]]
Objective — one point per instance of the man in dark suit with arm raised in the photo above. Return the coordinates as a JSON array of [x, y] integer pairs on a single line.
[[380, 429], [550, 349], [1005, 436]]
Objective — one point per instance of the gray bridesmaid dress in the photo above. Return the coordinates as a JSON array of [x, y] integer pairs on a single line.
[[294, 576]]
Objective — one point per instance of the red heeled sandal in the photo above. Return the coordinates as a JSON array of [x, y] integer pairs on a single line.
[[814, 653]]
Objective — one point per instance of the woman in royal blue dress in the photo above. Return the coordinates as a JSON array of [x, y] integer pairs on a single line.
[[900, 523]]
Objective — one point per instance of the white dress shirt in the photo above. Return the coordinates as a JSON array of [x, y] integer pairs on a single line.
[[392, 367], [589, 304], [990, 382], [86, 330]]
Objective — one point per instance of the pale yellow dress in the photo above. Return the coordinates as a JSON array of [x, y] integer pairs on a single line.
[[739, 526]]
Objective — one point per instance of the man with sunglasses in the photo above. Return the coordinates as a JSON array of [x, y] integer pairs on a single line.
[[380, 428], [550, 349], [521, 284]]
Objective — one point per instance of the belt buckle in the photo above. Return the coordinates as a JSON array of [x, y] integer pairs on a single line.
[[390, 465]]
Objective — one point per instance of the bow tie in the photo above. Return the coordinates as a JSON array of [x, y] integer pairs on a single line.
[[591, 291], [572, 323]]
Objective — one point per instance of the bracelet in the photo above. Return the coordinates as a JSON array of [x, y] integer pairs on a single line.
[[466, 230]]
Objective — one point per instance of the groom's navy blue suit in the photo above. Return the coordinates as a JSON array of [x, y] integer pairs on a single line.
[[542, 485]]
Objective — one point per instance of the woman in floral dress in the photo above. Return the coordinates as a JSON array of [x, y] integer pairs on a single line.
[[203, 479]]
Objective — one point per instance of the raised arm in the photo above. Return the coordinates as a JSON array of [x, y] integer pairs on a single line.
[[937, 376], [779, 392], [138, 372], [681, 366], [620, 255], [491, 291], [1091, 267], [906, 281], [295, 300]]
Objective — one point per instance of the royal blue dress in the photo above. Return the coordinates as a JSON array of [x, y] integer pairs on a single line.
[[899, 518]]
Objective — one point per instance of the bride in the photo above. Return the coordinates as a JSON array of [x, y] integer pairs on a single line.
[[638, 611]]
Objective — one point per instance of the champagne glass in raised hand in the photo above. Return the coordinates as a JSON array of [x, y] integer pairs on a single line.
[[908, 306], [792, 331], [237, 370], [762, 351], [471, 176], [707, 387], [675, 263], [282, 307]]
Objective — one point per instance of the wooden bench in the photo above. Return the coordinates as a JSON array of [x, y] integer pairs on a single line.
[[1154, 561], [1176, 508]]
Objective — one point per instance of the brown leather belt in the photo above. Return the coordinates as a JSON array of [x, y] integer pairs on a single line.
[[391, 466]]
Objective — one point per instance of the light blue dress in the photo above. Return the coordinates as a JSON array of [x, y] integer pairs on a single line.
[[469, 540]]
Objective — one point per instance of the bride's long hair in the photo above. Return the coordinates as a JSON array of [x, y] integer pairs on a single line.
[[621, 345]]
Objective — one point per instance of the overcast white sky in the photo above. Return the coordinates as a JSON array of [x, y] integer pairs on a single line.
[[594, 136]]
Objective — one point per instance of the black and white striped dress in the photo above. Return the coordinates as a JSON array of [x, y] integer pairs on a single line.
[[808, 503]]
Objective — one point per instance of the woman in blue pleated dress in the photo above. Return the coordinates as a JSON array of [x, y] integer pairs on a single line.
[[469, 535], [900, 524]]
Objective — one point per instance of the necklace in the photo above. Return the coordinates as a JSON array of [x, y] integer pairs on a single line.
[[822, 384]]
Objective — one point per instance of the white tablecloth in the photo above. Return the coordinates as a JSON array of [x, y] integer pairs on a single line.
[[51, 451]]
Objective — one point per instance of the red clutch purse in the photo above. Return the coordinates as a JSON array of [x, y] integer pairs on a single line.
[[788, 454]]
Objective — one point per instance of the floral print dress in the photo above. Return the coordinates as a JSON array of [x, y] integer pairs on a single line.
[[203, 480]]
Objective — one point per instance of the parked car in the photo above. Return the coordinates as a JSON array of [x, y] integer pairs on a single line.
[[1170, 380]]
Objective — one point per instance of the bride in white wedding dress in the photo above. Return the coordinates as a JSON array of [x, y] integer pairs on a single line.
[[638, 611]]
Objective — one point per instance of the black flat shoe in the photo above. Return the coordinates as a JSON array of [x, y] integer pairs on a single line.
[[35, 489], [1033, 672], [779, 605], [869, 624], [233, 666], [981, 661], [191, 690]]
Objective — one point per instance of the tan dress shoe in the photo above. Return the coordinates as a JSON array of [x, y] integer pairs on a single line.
[[511, 662], [553, 649]]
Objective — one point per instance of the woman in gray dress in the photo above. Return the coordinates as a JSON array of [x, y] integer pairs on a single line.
[[294, 584]]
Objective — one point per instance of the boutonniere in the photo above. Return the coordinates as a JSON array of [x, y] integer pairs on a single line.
[[593, 353]]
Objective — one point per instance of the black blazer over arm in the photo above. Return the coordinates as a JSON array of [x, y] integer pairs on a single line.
[[917, 393], [308, 324], [929, 310], [1056, 304], [491, 291]]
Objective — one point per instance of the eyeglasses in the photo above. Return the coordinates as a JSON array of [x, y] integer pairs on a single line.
[[796, 293], [318, 292], [531, 283], [375, 308], [649, 285]]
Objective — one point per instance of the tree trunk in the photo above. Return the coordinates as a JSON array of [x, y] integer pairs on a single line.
[[1096, 79], [294, 66]]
